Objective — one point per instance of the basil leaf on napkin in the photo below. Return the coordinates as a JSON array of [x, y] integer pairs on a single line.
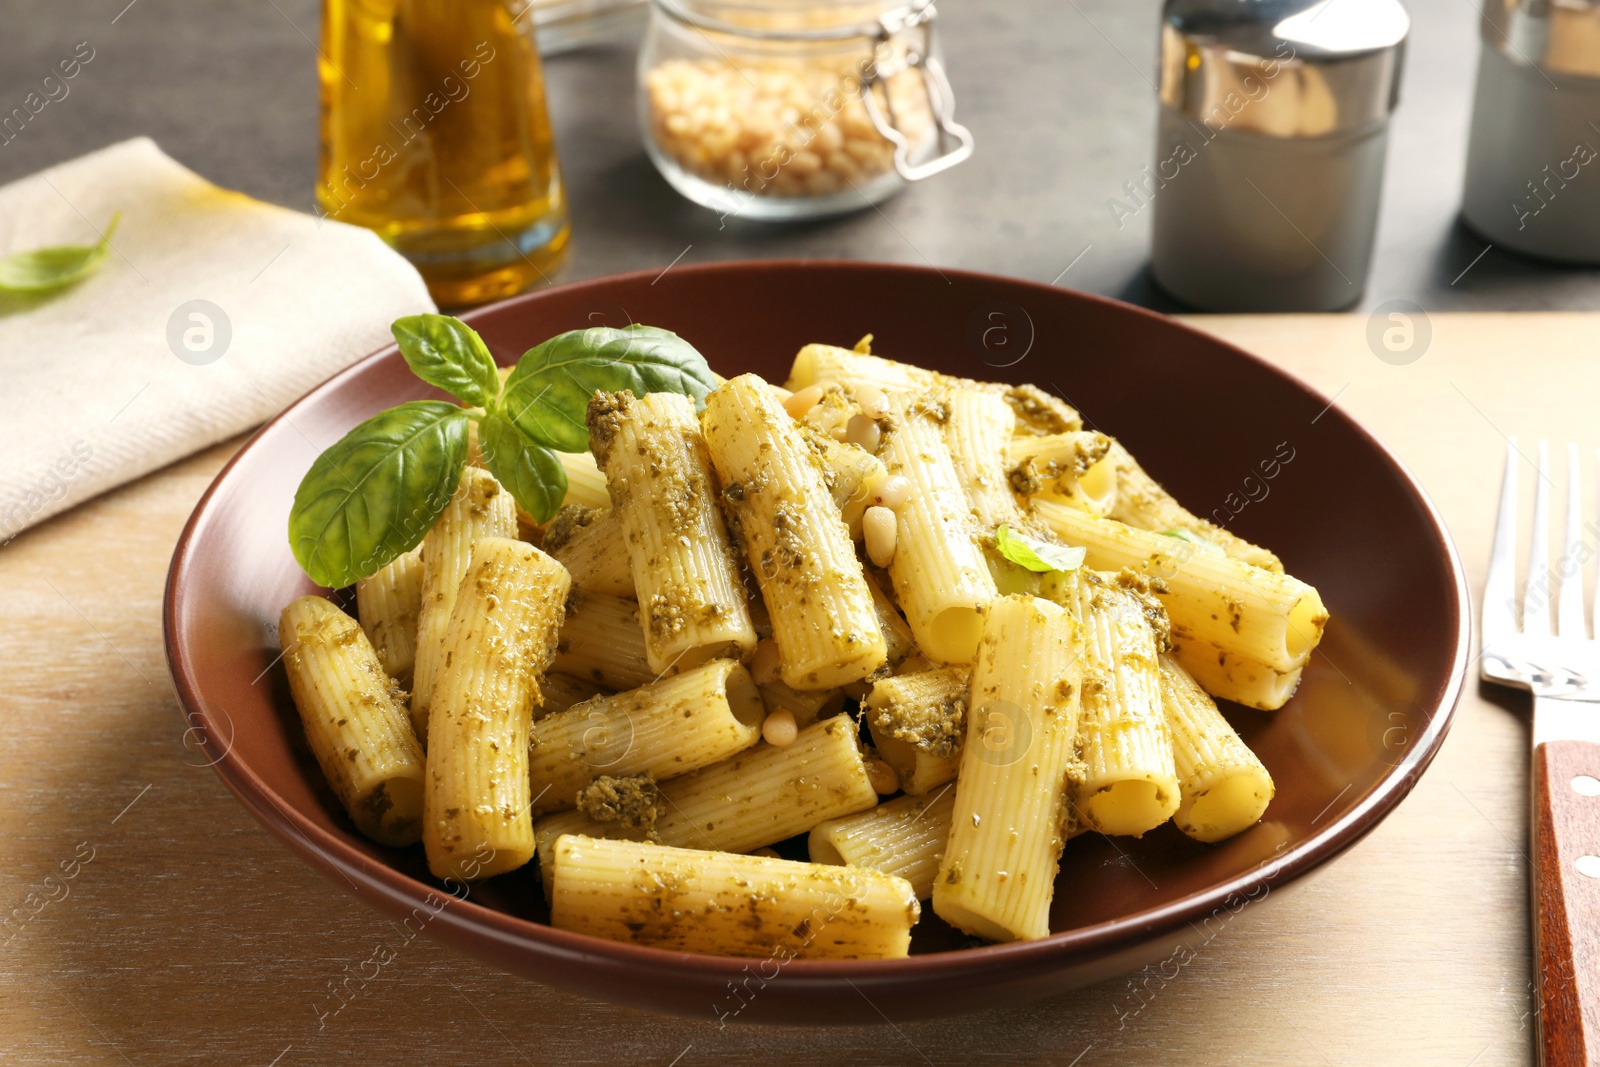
[[547, 396], [1034, 554], [447, 353], [374, 494], [532, 473], [46, 269]]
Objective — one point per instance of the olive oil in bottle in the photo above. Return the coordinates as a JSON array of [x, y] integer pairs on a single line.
[[435, 135]]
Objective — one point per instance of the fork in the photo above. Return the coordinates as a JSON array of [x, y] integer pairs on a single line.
[[1560, 666]]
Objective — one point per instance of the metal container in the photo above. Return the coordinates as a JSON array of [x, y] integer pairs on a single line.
[[1271, 140], [1533, 162]]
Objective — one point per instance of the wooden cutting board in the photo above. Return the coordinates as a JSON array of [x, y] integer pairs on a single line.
[[151, 920]]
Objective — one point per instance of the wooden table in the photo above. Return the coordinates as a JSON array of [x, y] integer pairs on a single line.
[[168, 927]]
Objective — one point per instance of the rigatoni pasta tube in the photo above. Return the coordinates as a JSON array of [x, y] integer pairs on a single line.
[[766, 794], [850, 473], [823, 618], [918, 722], [679, 724], [601, 640], [480, 508], [1127, 784], [589, 543], [938, 571], [690, 592], [978, 430], [501, 637], [1037, 411], [586, 484], [558, 692], [815, 364], [1213, 599], [1143, 503], [729, 905], [905, 837], [1227, 676], [1075, 468], [354, 720], [997, 875], [759, 797], [806, 706], [1224, 786], [898, 640], [388, 603]]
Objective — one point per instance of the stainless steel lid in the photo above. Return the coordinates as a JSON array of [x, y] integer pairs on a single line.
[[1284, 68], [1557, 36]]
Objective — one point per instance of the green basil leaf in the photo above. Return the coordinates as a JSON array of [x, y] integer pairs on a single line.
[[1034, 554], [45, 269], [532, 473], [374, 494], [1194, 539], [446, 352], [547, 396]]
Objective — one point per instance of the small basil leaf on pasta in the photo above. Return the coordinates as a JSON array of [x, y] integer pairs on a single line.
[[45, 269], [1194, 539], [447, 353], [533, 474], [1034, 554], [374, 494], [547, 396]]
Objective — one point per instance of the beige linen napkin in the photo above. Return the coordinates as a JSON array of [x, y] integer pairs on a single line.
[[210, 314]]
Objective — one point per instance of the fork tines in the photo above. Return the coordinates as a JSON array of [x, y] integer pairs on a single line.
[[1564, 580]]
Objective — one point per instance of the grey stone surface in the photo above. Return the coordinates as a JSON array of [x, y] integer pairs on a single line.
[[1058, 93]]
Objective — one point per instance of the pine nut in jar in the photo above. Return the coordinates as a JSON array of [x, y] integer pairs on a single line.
[[788, 109]]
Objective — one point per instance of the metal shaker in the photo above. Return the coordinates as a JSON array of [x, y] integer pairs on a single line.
[[1533, 161], [1273, 127]]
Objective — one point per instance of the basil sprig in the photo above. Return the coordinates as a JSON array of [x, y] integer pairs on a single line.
[[374, 494], [548, 394], [1034, 554], [45, 269], [447, 353]]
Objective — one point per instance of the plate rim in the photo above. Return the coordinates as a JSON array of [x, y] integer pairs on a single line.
[[334, 856]]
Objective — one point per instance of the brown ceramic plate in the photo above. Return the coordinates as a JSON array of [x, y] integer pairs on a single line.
[[1208, 420]]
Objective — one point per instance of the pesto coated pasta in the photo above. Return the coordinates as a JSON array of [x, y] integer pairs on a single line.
[[927, 629]]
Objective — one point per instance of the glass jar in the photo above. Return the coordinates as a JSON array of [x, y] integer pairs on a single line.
[[435, 135], [794, 109]]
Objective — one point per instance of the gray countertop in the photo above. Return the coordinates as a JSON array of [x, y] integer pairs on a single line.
[[1057, 92]]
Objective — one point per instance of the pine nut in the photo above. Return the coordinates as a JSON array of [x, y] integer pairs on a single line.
[[779, 730], [882, 776], [878, 533], [874, 405], [803, 401], [892, 492], [862, 430]]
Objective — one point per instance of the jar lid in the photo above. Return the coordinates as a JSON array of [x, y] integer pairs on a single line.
[[1557, 36], [1283, 68]]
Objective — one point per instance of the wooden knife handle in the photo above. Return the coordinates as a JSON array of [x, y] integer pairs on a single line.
[[1566, 901]]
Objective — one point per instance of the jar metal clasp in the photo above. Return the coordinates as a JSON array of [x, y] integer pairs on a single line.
[[955, 140]]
